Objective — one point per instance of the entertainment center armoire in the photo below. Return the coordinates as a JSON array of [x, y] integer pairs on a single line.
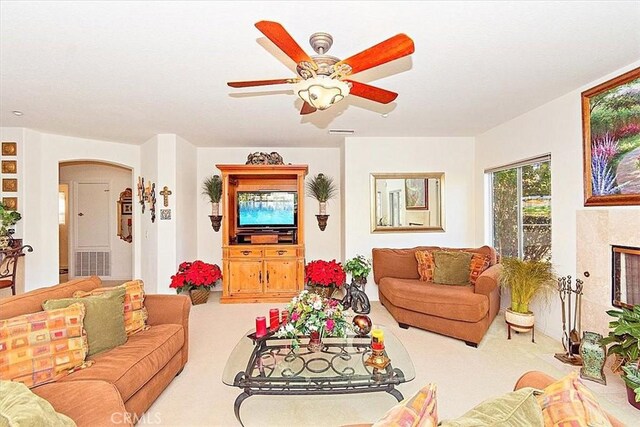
[[264, 263]]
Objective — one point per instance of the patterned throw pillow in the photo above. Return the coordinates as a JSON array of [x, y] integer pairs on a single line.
[[568, 402], [135, 313], [103, 320], [42, 347], [419, 410], [425, 265], [479, 263]]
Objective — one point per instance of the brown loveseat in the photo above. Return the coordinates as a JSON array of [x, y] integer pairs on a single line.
[[123, 382], [463, 312]]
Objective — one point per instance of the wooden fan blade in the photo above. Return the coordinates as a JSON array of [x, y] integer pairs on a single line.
[[251, 83], [307, 109], [373, 93], [281, 38], [396, 47]]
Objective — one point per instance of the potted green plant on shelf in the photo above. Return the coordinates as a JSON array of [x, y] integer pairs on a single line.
[[526, 279], [322, 188], [8, 218], [623, 342], [359, 267], [212, 188]]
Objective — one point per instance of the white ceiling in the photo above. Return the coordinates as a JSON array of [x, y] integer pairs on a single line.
[[125, 71]]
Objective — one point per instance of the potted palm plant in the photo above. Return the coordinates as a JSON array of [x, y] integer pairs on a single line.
[[623, 342], [526, 279], [322, 188], [212, 188]]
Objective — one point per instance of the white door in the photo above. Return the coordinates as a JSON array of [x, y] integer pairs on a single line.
[[92, 216]]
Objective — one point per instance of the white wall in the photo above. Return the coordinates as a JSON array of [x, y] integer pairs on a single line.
[[118, 178], [319, 244], [149, 171], [168, 160], [185, 200], [39, 201], [364, 156], [555, 128]]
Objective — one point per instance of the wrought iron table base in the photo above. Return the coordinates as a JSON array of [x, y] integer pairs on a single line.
[[248, 392]]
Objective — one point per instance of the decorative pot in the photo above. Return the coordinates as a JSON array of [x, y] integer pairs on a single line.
[[323, 208], [521, 322], [315, 342], [199, 296], [361, 281], [323, 291], [322, 221], [216, 220], [593, 356], [631, 397]]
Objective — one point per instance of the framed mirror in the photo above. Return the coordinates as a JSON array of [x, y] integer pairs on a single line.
[[407, 202], [125, 216]]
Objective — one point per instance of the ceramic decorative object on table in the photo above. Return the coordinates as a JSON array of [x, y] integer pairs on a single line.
[[593, 356], [362, 325]]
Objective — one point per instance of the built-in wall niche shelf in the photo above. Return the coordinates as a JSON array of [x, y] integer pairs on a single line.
[[263, 244]]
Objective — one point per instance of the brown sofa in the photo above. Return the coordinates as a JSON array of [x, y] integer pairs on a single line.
[[463, 312], [123, 382]]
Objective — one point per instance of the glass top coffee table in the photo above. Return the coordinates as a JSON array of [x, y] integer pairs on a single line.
[[273, 367]]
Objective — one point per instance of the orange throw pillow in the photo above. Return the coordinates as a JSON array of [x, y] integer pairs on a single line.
[[567, 402], [135, 313], [419, 410], [426, 265], [479, 263], [41, 347]]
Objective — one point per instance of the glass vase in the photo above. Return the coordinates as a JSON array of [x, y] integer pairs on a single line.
[[315, 342]]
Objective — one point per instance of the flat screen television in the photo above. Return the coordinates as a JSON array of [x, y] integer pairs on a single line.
[[267, 209]]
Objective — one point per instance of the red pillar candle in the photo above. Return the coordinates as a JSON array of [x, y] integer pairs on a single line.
[[285, 316], [261, 326], [274, 319]]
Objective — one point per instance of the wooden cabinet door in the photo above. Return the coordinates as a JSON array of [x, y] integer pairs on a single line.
[[245, 276], [281, 275]]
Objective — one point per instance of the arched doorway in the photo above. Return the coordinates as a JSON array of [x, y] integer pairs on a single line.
[[95, 221]]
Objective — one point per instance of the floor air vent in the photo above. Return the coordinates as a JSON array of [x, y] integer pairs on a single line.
[[93, 264]]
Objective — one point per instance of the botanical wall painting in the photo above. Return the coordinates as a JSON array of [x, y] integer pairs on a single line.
[[611, 131]]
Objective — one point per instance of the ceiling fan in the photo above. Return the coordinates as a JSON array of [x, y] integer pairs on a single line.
[[322, 79]]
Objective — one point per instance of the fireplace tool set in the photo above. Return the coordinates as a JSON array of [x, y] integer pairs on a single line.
[[570, 326]]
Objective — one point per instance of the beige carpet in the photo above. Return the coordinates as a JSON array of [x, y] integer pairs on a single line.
[[465, 376]]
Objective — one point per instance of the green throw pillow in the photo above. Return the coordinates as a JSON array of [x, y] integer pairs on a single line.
[[451, 268], [515, 409], [103, 321], [20, 407]]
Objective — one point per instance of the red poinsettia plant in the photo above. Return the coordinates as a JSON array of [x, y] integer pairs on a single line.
[[195, 275], [324, 273]]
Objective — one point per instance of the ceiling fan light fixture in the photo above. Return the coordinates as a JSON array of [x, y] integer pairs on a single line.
[[322, 92]]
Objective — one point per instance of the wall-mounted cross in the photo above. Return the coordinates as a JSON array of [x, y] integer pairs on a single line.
[[165, 193]]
